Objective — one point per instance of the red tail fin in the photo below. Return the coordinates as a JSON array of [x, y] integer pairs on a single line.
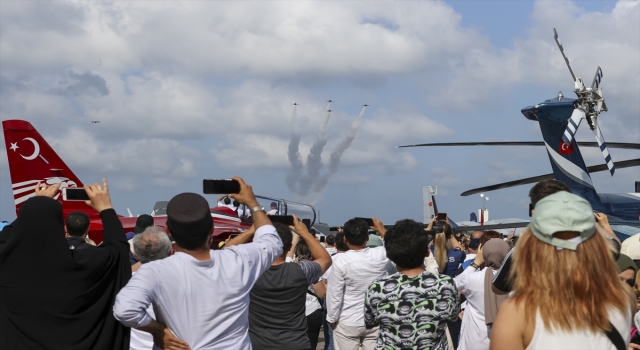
[[31, 159]]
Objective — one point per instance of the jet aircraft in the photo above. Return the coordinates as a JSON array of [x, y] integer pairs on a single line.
[[32, 160]]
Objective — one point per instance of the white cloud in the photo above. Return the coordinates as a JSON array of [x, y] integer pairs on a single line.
[[167, 78]]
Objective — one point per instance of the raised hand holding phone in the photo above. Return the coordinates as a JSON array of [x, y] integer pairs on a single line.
[[99, 198], [378, 226], [47, 191]]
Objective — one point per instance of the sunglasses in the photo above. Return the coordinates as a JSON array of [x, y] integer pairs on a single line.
[[631, 283]]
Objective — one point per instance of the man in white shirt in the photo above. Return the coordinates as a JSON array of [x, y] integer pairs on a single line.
[[200, 296], [330, 240], [273, 209], [225, 201], [150, 245], [351, 274]]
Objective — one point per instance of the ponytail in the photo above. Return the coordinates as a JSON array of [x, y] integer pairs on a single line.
[[441, 251]]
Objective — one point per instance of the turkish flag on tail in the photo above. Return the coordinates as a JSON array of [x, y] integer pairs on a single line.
[[564, 149]]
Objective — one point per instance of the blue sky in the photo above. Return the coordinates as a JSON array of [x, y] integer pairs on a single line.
[[204, 90]]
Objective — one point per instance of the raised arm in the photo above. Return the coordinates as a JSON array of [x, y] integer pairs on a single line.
[[242, 238], [247, 198], [100, 200], [603, 221], [319, 254], [266, 246], [378, 226], [294, 243]]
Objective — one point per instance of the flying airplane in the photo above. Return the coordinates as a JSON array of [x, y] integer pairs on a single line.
[[559, 118], [95, 121], [365, 105], [296, 104], [32, 160]]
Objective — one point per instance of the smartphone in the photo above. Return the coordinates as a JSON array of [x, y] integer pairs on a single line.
[[333, 228], [74, 194], [368, 220], [442, 216], [307, 222], [283, 219], [220, 186], [322, 239]]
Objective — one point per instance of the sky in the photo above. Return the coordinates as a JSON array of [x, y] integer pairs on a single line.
[[204, 89]]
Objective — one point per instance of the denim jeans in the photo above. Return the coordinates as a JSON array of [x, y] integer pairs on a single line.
[[328, 332]]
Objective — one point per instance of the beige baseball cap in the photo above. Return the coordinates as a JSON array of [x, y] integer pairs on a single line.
[[559, 212]]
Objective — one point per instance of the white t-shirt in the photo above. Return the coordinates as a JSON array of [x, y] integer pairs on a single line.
[[272, 212], [204, 303], [142, 340]]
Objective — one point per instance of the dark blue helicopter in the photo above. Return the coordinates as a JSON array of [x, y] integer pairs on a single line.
[[559, 119]]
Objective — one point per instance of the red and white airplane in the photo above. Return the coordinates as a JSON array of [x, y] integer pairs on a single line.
[[32, 160]]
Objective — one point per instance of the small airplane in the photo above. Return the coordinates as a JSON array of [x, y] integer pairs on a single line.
[[95, 121], [329, 101], [32, 160], [328, 110], [365, 105], [559, 118], [296, 104]]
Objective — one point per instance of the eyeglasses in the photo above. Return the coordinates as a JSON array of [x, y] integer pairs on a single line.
[[631, 283]]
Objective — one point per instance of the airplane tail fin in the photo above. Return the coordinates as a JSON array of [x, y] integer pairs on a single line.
[[429, 203], [566, 161], [31, 159]]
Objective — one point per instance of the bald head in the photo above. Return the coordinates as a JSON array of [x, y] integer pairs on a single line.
[[477, 234]]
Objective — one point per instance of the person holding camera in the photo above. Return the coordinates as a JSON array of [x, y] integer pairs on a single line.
[[278, 312], [201, 296], [53, 297], [351, 274]]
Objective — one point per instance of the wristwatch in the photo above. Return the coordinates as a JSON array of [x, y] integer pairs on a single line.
[[474, 265], [257, 208]]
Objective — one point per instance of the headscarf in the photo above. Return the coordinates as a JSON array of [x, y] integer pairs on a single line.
[[494, 252], [53, 297], [625, 263]]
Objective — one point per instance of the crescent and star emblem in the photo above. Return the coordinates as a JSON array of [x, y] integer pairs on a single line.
[[36, 148]]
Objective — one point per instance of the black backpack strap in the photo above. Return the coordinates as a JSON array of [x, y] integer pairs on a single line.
[[615, 337]]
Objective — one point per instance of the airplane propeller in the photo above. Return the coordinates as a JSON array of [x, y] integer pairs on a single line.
[[589, 105]]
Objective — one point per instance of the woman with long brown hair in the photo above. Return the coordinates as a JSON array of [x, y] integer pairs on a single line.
[[567, 294]]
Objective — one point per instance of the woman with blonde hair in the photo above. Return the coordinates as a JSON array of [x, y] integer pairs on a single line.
[[567, 294], [447, 250]]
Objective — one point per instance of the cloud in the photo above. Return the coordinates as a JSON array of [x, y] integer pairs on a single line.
[[182, 88], [79, 84], [160, 160]]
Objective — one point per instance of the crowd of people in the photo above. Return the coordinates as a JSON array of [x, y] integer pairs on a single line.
[[565, 282]]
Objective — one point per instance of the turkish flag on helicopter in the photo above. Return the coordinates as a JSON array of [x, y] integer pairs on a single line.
[[564, 149]]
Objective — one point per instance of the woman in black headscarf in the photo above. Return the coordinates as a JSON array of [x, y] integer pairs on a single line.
[[52, 297]]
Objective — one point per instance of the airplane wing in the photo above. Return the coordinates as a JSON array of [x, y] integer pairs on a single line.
[[624, 145], [529, 180], [490, 227]]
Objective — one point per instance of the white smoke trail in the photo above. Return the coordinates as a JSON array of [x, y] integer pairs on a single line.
[[336, 155], [314, 160], [295, 159]]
